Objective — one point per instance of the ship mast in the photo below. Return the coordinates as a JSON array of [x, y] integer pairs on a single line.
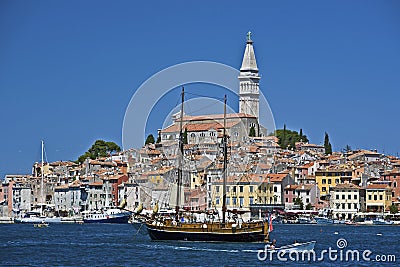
[[180, 155], [225, 151], [42, 180]]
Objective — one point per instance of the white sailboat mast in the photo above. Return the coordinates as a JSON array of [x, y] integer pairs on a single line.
[[42, 172]]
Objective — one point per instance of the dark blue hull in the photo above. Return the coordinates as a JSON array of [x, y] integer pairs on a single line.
[[157, 234], [121, 219]]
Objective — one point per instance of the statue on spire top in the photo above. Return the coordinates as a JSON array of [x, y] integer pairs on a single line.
[[249, 36]]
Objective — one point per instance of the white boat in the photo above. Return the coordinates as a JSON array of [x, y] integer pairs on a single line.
[[34, 217], [74, 219], [305, 220], [38, 216], [381, 221], [307, 246], [29, 217], [107, 215], [323, 220]]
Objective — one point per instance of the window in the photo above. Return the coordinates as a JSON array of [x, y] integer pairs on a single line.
[[329, 181], [375, 197], [217, 201], [227, 189], [355, 196], [241, 201], [308, 193], [349, 206], [217, 188], [337, 181], [286, 199], [275, 189], [343, 196], [234, 189], [234, 201], [228, 201], [251, 188], [251, 200], [348, 196], [241, 189], [337, 196], [324, 189], [380, 197], [369, 197], [323, 181], [343, 206]]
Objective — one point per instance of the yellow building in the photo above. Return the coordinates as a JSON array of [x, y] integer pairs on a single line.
[[328, 178], [378, 197], [158, 176], [241, 192]]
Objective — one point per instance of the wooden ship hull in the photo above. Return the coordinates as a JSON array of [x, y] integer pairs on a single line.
[[211, 232]]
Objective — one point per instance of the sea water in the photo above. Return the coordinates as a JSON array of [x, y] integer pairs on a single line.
[[123, 245]]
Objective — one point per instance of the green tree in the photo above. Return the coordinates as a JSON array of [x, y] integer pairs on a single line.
[[393, 209], [347, 148], [252, 132], [158, 138], [284, 142], [112, 147], [309, 206], [288, 138], [149, 139], [299, 201], [327, 145], [185, 137], [100, 148]]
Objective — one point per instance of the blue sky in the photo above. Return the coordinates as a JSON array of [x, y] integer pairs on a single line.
[[69, 68]]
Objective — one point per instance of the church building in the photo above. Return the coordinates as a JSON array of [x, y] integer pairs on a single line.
[[209, 128]]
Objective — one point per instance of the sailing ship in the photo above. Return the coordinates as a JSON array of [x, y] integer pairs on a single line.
[[176, 228]]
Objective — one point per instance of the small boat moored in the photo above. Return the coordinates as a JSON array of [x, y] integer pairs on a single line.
[[381, 221], [41, 225]]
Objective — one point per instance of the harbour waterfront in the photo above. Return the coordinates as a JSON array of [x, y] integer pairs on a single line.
[[121, 245]]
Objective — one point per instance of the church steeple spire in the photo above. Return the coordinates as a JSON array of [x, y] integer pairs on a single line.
[[249, 59], [249, 80]]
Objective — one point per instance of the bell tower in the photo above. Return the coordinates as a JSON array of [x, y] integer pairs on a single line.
[[248, 81]]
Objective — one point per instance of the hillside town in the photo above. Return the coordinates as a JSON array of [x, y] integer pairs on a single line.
[[264, 177], [262, 174]]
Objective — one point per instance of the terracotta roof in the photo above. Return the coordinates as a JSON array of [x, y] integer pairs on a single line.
[[217, 116], [96, 184], [64, 186], [346, 186], [378, 186], [275, 177]]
